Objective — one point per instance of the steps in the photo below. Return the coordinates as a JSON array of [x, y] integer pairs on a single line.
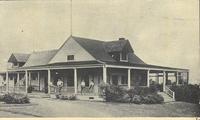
[[89, 97], [166, 97], [38, 95]]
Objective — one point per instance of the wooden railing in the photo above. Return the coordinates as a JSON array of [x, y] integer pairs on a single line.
[[170, 92]]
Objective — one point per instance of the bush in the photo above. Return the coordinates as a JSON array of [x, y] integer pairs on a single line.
[[112, 93], [152, 99], [138, 95], [14, 98], [29, 89], [65, 97], [187, 93]]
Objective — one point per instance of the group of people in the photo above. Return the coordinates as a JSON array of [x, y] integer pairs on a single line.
[[91, 85], [59, 85]]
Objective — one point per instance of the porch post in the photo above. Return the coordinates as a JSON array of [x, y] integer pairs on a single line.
[[26, 79], [177, 80], [38, 78], [148, 82], [29, 78], [18, 80], [7, 82], [104, 74], [164, 80], [187, 77], [129, 78], [75, 80], [49, 81]]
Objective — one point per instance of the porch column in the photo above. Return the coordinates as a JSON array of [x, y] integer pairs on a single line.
[[164, 80], [129, 78], [29, 78], [26, 79], [177, 80], [148, 82], [49, 81], [104, 74], [38, 78], [187, 77], [18, 81], [7, 82], [75, 80]]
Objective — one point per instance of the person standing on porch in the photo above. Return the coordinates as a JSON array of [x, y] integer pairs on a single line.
[[91, 87], [59, 85], [82, 85]]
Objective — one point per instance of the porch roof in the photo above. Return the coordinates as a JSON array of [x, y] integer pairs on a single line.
[[146, 66], [89, 64]]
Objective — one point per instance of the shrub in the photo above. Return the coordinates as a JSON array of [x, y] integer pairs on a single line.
[[112, 93], [137, 99], [72, 97], [152, 99], [187, 93], [138, 95], [65, 97], [14, 98], [29, 89]]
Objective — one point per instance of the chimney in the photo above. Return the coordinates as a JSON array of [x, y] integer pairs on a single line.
[[122, 39]]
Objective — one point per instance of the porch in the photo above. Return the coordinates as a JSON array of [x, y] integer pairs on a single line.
[[44, 80]]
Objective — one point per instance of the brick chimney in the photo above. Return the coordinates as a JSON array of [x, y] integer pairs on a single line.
[[122, 38]]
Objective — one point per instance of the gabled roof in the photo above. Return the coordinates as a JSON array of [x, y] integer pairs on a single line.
[[117, 46], [100, 49], [18, 57], [95, 48], [133, 58], [40, 58]]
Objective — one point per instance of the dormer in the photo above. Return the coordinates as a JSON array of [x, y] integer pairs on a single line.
[[17, 60], [119, 49]]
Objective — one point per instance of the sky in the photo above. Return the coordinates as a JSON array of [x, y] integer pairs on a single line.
[[161, 32]]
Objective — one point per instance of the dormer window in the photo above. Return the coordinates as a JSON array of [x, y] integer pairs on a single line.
[[70, 57], [124, 56]]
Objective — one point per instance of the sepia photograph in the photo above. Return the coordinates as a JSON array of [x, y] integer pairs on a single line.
[[99, 58]]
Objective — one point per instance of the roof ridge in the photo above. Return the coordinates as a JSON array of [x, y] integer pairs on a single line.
[[45, 51]]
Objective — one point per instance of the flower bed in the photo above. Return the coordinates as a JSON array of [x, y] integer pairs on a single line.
[[14, 98]]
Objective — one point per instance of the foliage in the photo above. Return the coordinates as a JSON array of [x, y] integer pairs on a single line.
[[65, 97], [187, 93], [138, 95], [112, 93], [15, 98], [30, 89]]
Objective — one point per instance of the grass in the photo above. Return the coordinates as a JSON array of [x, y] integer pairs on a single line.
[[58, 108]]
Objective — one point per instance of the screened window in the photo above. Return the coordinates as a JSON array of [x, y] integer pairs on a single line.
[[114, 79], [124, 80], [70, 57]]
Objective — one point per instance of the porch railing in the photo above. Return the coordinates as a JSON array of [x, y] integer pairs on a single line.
[[170, 92]]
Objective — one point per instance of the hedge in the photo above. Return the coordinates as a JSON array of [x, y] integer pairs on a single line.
[[187, 93]]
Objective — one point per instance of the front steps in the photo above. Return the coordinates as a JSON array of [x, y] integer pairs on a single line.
[[38, 95], [166, 97], [89, 97]]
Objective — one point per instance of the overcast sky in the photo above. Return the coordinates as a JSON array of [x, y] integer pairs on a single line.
[[162, 32]]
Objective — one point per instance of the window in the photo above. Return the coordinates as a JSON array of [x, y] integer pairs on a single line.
[[124, 80], [70, 57], [123, 56], [115, 55], [114, 79], [86, 79]]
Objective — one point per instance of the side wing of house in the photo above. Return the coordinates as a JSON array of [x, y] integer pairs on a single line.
[[71, 51]]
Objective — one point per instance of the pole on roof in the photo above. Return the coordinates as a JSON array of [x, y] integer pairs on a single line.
[[71, 17]]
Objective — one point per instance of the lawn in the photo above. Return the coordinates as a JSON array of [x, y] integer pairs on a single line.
[[45, 107]]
